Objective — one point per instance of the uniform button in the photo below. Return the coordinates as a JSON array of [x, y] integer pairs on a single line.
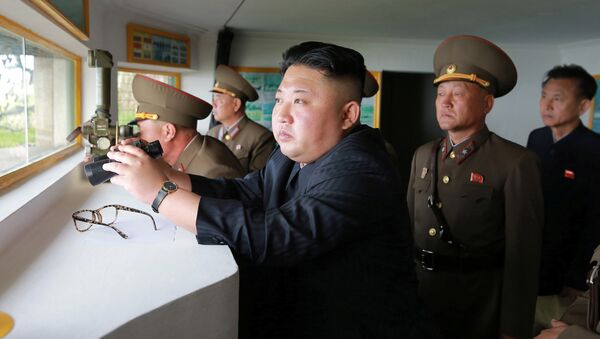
[[432, 232], [227, 137], [446, 179], [439, 204], [452, 155]]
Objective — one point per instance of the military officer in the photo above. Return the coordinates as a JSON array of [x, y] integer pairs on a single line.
[[169, 115], [475, 202], [250, 142]]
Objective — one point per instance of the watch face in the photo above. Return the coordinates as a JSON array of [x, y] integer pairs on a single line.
[[169, 186]]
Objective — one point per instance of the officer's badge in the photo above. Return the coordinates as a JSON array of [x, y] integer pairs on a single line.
[[451, 69], [569, 174], [476, 178]]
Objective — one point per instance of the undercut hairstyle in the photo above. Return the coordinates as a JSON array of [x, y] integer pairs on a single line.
[[333, 61], [586, 87]]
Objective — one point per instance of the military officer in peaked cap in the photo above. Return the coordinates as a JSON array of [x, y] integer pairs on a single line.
[[475, 202], [250, 142], [169, 115]]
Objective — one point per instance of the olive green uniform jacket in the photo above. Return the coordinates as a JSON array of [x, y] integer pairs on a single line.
[[485, 283], [250, 142], [208, 157], [576, 315]]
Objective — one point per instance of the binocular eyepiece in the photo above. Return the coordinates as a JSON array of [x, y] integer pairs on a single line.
[[96, 175]]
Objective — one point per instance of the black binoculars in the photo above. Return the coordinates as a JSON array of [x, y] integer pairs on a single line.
[[96, 175]]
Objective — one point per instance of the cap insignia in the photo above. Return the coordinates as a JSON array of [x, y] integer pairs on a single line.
[[451, 69]]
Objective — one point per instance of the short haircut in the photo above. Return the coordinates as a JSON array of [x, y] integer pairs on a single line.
[[586, 84], [333, 61]]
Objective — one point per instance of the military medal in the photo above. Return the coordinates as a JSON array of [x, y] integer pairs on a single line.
[[569, 174]]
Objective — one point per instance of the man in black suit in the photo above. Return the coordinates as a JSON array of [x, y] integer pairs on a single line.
[[321, 233], [570, 155]]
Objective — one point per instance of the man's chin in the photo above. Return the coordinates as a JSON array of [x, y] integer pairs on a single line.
[[288, 151]]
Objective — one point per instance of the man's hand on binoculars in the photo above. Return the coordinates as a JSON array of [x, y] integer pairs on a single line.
[[137, 172]]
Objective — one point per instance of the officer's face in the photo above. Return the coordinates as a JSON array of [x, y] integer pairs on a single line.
[[150, 130], [223, 107], [461, 108], [560, 104], [311, 113]]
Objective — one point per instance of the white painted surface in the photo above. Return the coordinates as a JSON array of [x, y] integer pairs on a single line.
[[59, 283]]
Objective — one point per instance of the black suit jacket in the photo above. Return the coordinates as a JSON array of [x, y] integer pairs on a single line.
[[571, 185], [335, 260]]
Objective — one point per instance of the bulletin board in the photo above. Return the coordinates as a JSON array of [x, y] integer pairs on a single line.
[[266, 80], [594, 114], [151, 46]]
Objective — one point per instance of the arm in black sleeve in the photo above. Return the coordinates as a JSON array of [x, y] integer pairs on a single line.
[[328, 214], [247, 189]]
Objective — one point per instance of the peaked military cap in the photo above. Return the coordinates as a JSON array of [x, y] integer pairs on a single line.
[[472, 58], [371, 86], [159, 101], [230, 82]]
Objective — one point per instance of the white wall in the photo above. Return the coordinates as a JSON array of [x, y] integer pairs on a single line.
[[514, 115], [585, 54]]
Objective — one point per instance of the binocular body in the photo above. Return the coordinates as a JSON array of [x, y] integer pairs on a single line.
[[96, 175]]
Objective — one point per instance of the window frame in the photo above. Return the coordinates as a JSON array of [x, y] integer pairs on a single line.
[[29, 169]]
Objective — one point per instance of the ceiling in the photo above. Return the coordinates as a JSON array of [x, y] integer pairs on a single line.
[[507, 21]]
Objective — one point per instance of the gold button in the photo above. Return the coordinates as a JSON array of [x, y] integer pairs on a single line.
[[446, 179], [227, 137], [439, 204], [452, 155], [432, 232]]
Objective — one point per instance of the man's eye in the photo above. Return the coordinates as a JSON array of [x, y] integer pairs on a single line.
[[298, 101], [277, 100]]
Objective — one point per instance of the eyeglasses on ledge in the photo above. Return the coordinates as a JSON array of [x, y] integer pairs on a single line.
[[105, 216]]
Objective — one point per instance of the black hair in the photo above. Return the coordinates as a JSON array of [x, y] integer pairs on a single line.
[[587, 84], [334, 61]]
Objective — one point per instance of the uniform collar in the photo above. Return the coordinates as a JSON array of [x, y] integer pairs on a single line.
[[463, 150], [188, 153], [233, 130]]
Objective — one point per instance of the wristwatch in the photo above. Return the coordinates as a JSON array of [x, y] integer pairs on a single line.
[[167, 187]]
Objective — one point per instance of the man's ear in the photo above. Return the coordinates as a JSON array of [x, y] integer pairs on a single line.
[[168, 131], [489, 103], [237, 104], [584, 106], [350, 114]]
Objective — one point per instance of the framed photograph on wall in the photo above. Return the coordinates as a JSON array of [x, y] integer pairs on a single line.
[[71, 15], [152, 46], [594, 114]]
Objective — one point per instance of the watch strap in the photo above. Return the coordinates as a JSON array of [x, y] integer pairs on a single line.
[[162, 193]]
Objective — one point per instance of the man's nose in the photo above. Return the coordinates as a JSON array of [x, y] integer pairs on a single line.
[[283, 113], [546, 104], [445, 100]]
